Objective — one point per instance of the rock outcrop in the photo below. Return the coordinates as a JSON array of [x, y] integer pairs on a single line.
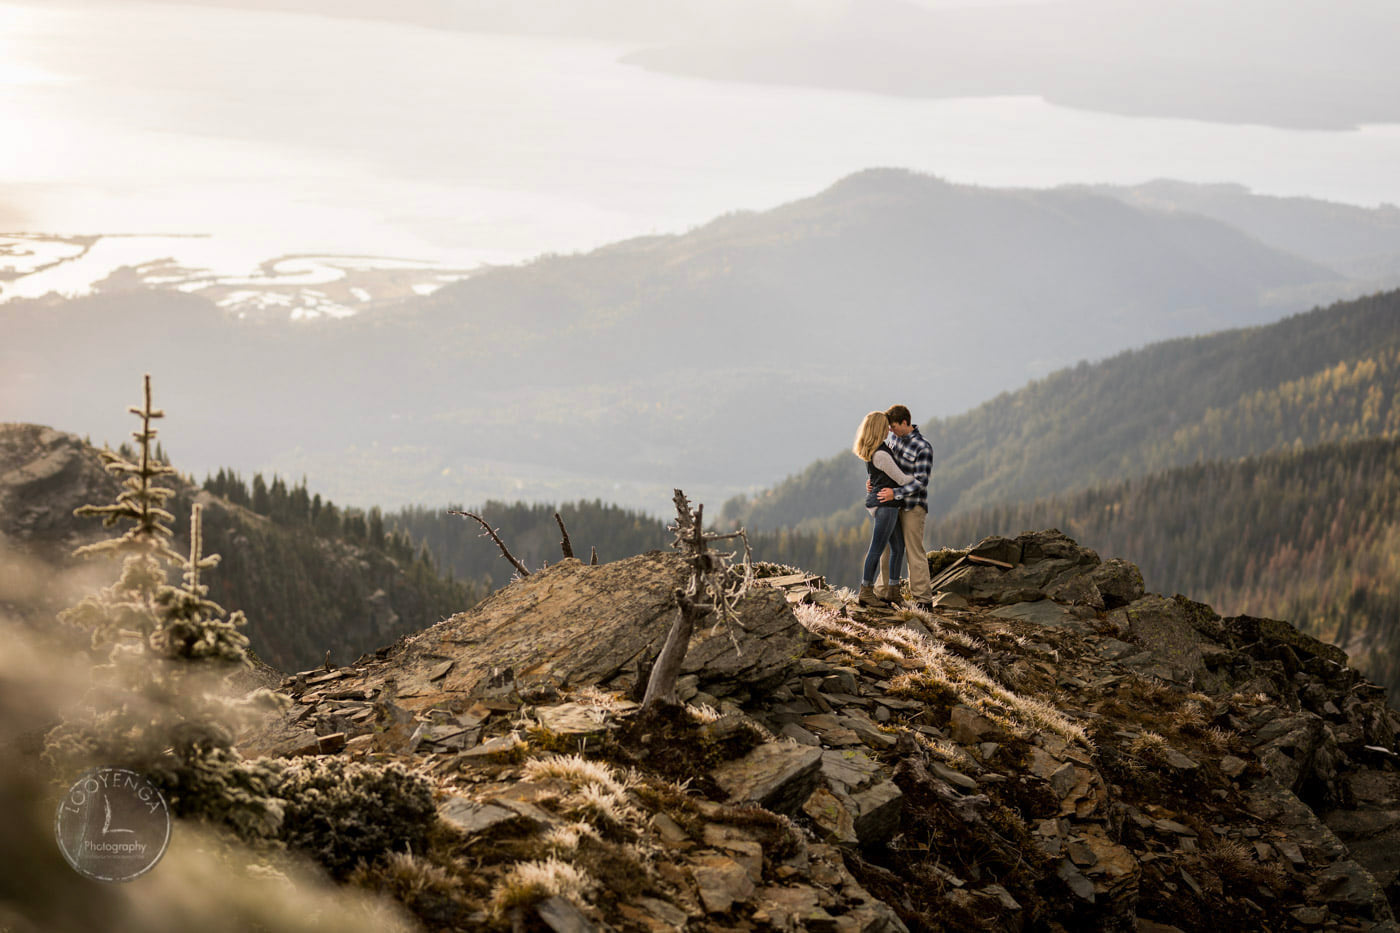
[[45, 475], [1065, 752], [574, 624]]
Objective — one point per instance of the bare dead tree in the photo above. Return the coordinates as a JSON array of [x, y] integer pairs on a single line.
[[711, 590], [593, 561], [565, 544], [491, 533]]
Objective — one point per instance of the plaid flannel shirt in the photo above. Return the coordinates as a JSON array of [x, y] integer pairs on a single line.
[[915, 455]]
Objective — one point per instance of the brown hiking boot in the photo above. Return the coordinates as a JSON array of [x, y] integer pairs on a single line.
[[869, 600], [892, 594]]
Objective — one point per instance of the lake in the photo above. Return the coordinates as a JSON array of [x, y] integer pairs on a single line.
[[275, 134]]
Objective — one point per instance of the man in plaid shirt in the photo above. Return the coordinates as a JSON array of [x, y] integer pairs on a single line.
[[915, 457]]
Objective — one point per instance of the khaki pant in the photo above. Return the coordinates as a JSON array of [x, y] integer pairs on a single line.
[[911, 524]]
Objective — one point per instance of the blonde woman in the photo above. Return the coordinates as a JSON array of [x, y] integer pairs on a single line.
[[884, 473]]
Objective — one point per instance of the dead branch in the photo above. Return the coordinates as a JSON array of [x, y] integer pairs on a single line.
[[709, 569], [565, 544], [593, 561], [661, 685], [491, 533], [708, 591]]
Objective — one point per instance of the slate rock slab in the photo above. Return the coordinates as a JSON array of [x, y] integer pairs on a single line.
[[877, 813], [561, 916], [1040, 612], [1118, 581], [776, 775], [1162, 625], [469, 817], [575, 623], [721, 882]]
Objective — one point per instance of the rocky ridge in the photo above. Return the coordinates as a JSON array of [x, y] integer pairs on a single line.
[[1051, 748]]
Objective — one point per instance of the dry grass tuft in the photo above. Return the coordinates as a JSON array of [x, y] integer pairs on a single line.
[[598, 795], [574, 770], [1010, 675], [564, 840], [601, 807], [1156, 691], [887, 652], [529, 882], [590, 695], [1229, 859], [1148, 745], [703, 713], [1188, 717], [1220, 739], [407, 877]]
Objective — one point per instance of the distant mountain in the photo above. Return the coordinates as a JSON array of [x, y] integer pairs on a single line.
[[1361, 242], [1314, 64], [713, 360], [305, 592], [1310, 64], [1312, 536], [1326, 376]]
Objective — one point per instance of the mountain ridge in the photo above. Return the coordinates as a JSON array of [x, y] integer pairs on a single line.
[[659, 346], [1261, 66]]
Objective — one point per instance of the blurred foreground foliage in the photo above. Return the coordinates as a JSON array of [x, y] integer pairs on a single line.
[[161, 700]]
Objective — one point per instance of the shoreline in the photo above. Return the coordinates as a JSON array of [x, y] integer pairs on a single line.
[[294, 285]]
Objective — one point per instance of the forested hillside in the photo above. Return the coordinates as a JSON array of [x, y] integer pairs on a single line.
[[1325, 376], [531, 533], [307, 585], [1311, 536], [313, 577]]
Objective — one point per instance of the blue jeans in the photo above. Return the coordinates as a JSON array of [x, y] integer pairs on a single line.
[[886, 532]]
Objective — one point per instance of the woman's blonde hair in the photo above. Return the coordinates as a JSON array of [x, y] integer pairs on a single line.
[[872, 432]]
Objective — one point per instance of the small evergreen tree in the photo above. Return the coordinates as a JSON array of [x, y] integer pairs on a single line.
[[195, 627], [157, 704], [128, 607]]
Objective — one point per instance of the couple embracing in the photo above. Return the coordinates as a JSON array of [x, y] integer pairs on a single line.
[[898, 461]]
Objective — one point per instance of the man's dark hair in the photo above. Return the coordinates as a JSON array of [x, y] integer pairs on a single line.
[[898, 414]]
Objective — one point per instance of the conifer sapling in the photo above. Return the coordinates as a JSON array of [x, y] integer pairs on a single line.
[[157, 704]]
